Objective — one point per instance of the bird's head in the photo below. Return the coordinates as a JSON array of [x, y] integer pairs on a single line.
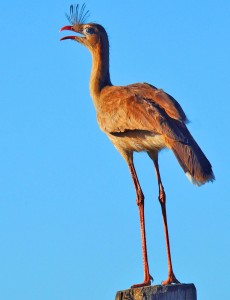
[[91, 34]]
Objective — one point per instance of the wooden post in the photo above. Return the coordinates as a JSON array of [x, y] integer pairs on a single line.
[[159, 292]]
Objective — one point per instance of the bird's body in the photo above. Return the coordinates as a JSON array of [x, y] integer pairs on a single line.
[[140, 117], [124, 118]]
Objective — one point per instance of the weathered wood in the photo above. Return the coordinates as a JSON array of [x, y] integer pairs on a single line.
[[159, 292]]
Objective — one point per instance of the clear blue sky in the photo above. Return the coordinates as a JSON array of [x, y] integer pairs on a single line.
[[68, 219]]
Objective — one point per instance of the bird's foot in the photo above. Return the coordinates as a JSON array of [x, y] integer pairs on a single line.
[[146, 282], [170, 280]]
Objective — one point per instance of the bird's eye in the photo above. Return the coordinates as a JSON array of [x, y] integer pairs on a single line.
[[88, 30]]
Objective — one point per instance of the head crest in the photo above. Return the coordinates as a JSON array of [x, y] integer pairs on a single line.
[[78, 14]]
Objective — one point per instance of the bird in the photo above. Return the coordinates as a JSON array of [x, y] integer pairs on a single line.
[[138, 118]]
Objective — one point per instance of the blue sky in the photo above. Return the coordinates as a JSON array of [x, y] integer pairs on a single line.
[[68, 219]]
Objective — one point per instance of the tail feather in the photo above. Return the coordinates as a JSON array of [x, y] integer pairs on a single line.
[[192, 159]]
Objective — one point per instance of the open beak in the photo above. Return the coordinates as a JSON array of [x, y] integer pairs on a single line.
[[69, 36]]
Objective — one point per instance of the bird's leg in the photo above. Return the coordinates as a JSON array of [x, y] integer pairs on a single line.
[[162, 199], [140, 203]]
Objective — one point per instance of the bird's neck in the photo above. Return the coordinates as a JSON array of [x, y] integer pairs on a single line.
[[100, 76]]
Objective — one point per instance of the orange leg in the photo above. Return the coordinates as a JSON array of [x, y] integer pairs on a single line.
[[162, 199], [140, 203]]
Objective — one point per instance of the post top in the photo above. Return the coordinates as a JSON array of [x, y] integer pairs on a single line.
[[165, 292]]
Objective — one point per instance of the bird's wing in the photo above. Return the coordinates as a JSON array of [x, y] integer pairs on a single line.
[[160, 98], [134, 108]]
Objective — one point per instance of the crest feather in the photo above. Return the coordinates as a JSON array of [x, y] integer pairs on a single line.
[[78, 14]]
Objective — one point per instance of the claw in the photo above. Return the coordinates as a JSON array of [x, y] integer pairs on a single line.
[[147, 282], [170, 280]]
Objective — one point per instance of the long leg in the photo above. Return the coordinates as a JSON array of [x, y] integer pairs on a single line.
[[140, 203], [162, 199]]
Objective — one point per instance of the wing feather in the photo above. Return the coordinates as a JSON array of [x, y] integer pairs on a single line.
[[139, 107]]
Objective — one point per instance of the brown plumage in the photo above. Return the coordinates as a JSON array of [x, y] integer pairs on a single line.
[[139, 117]]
